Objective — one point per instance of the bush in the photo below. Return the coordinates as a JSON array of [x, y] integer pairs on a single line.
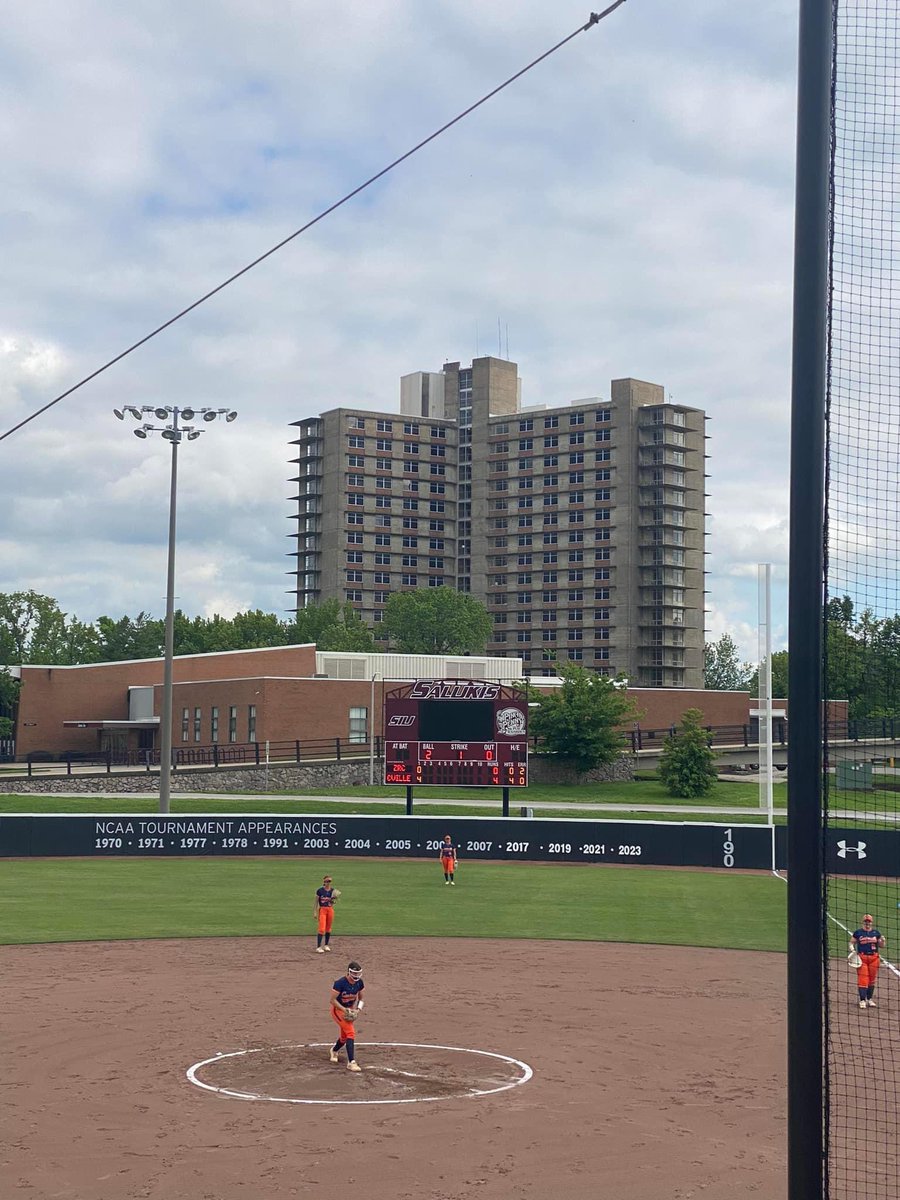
[[688, 765]]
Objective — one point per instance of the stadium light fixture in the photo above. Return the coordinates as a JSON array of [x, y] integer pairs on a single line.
[[174, 434]]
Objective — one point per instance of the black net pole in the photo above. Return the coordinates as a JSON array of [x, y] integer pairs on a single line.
[[806, 616]]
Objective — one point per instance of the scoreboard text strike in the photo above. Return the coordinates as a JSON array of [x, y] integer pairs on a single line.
[[456, 733]]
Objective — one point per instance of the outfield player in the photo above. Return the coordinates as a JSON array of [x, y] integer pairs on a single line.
[[323, 912], [867, 942], [346, 1002], [448, 860]]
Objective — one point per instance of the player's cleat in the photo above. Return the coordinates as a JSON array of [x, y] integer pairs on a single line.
[[863, 1004], [327, 949], [320, 950], [446, 883], [353, 1066], [332, 1057], [453, 883], [872, 1004]]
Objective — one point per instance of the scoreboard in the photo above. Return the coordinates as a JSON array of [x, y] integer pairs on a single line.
[[455, 733]]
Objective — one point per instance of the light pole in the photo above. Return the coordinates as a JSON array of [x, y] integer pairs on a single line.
[[173, 432], [372, 733]]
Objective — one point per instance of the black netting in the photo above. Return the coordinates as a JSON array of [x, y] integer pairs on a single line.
[[862, 655]]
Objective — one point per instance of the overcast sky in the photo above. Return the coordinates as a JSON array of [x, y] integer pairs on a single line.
[[623, 209]]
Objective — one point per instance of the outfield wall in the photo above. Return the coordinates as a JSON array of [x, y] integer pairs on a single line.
[[496, 839]]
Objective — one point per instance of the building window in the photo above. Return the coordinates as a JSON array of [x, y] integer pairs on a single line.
[[198, 724], [354, 596], [436, 581], [355, 539], [232, 723], [603, 435], [355, 519], [551, 422], [359, 719], [355, 460], [408, 580], [354, 556], [354, 576], [410, 523], [385, 502], [251, 722], [356, 498], [576, 418], [604, 414], [436, 506], [214, 724], [382, 577], [185, 724], [383, 426], [356, 442], [409, 427], [575, 635], [437, 431], [523, 635]]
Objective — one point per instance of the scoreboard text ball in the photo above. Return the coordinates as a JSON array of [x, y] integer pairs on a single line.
[[456, 733]]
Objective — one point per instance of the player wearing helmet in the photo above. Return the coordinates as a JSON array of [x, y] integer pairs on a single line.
[[346, 1004], [867, 941]]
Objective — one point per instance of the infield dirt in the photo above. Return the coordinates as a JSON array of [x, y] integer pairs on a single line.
[[659, 1072]]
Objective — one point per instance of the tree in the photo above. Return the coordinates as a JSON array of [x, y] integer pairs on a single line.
[[33, 629], [437, 621], [779, 676], [722, 669], [581, 720], [688, 765]]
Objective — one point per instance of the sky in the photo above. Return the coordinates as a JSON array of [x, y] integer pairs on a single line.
[[624, 209]]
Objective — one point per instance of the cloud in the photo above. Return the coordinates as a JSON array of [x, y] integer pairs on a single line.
[[624, 209]]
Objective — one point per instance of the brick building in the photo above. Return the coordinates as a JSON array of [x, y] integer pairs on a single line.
[[277, 694]]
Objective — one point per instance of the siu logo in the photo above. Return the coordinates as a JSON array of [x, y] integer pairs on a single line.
[[859, 849], [402, 720]]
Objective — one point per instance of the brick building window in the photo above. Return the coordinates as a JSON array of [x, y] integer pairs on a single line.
[[232, 723], [185, 724], [251, 722], [214, 724], [359, 720]]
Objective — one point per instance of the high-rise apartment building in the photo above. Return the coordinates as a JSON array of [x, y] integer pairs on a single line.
[[581, 528]]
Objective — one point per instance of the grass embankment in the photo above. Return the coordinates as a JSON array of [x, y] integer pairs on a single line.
[[619, 801], [59, 900]]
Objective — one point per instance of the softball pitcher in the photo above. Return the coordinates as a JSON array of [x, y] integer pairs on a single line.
[[346, 1004]]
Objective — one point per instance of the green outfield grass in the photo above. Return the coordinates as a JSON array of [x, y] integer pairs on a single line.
[[60, 900]]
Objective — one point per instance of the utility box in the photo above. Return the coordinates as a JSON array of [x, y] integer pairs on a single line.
[[853, 776], [526, 812]]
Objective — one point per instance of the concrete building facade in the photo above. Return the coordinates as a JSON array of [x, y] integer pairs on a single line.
[[582, 528]]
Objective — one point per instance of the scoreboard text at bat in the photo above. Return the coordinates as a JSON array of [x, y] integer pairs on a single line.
[[456, 733]]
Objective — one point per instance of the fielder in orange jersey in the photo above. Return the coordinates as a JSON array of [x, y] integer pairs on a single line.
[[323, 912], [448, 860], [346, 1005], [867, 941]]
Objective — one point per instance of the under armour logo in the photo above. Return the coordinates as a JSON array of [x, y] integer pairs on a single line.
[[859, 849]]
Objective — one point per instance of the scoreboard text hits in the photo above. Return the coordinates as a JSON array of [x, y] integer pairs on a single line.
[[477, 764]]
